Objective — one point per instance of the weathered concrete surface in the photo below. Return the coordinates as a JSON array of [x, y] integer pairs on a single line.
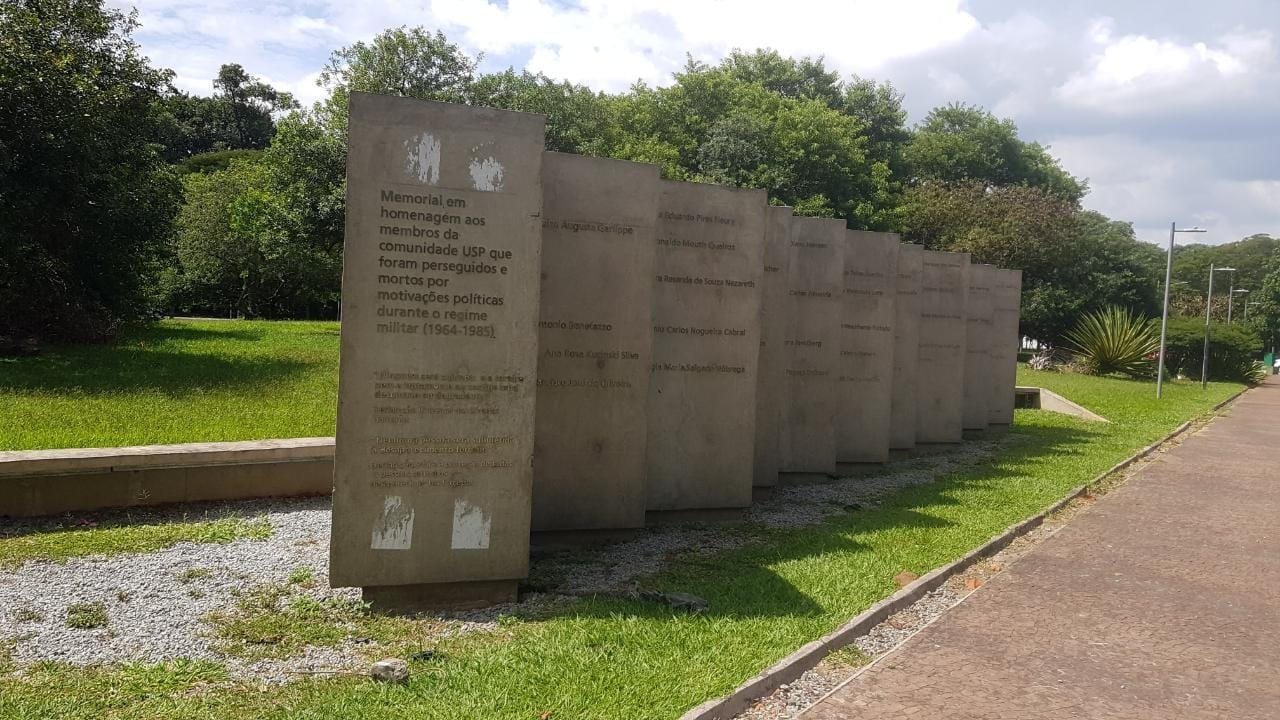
[[940, 372], [808, 437], [706, 346], [906, 345], [977, 345], [771, 378], [594, 342], [1006, 310], [1161, 601], [49, 482], [433, 462], [865, 385]]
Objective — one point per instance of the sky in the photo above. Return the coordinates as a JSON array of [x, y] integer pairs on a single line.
[[1170, 108]]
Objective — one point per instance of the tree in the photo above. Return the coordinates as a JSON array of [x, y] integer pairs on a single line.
[[238, 116], [403, 61], [1073, 262], [803, 79], [960, 143], [578, 119], [241, 248], [86, 200]]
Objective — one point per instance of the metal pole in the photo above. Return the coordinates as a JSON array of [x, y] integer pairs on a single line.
[[1231, 296], [1208, 306], [1164, 316]]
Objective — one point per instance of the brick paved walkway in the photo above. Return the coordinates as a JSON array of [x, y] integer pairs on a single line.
[[1162, 601]]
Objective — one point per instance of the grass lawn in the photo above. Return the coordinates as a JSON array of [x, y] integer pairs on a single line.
[[175, 381], [609, 658]]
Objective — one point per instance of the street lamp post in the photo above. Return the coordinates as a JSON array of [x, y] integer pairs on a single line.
[[1164, 318], [1234, 291], [1208, 308]]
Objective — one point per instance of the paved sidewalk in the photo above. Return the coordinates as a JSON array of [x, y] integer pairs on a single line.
[[1162, 601]]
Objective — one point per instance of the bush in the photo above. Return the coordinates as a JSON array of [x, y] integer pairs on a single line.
[[1233, 350], [86, 201], [1114, 340]]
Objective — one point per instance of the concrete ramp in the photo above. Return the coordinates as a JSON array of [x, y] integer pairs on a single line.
[[1042, 399]]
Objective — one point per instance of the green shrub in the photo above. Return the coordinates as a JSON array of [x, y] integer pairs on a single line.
[[1233, 350], [1115, 340]]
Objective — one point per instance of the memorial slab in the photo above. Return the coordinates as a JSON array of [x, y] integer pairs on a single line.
[[433, 454], [940, 369], [1006, 303], [906, 343], [867, 322], [977, 346], [594, 339], [708, 269], [807, 441], [771, 374]]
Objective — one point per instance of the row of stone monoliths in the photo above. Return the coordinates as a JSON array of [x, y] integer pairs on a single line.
[[695, 342]]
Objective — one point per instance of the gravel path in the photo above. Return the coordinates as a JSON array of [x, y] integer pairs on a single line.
[[156, 601]]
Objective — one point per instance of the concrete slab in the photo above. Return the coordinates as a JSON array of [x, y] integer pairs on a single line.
[[771, 378], [1006, 306], [808, 437], [706, 346], [906, 343], [594, 342], [434, 449], [940, 372], [866, 346], [977, 346]]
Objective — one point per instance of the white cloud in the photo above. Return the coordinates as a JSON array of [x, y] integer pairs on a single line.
[[1133, 72], [1173, 114]]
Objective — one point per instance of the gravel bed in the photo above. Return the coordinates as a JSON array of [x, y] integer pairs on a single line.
[[156, 608]]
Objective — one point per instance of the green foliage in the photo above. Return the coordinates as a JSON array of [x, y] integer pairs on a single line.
[[217, 160], [579, 120], [1115, 340], [238, 116], [1233, 349], [963, 143], [86, 200], [403, 61], [243, 247], [87, 615]]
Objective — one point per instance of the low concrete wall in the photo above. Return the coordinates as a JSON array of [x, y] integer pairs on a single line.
[[48, 482]]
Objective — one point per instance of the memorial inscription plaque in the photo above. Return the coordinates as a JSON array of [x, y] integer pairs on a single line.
[[866, 346], [706, 346], [940, 369], [433, 466], [594, 338], [771, 375], [906, 343], [1006, 302], [807, 442], [977, 352]]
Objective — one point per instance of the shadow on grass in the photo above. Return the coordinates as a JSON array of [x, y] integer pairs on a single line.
[[172, 331], [129, 368], [744, 582]]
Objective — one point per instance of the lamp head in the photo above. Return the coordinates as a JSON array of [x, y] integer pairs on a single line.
[[1191, 229], [1224, 269]]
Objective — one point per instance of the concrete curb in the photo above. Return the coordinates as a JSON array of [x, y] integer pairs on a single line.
[[808, 656]]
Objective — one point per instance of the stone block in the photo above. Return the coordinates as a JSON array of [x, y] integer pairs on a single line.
[[906, 343], [434, 449], [940, 369], [866, 346], [594, 342]]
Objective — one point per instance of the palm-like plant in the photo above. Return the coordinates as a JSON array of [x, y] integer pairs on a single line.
[[1115, 340]]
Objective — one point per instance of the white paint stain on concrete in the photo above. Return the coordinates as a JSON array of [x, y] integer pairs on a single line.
[[394, 528], [486, 171], [470, 527], [422, 158]]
